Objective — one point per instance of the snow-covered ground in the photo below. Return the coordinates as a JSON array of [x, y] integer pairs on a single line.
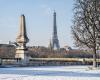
[[49, 73]]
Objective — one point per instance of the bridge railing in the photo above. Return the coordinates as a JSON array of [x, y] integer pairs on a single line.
[[64, 59]]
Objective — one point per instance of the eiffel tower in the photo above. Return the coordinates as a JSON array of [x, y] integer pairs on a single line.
[[55, 41]]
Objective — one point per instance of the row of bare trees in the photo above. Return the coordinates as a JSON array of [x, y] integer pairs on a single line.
[[86, 25]]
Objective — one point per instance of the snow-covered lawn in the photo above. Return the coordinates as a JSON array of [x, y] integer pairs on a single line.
[[49, 73]]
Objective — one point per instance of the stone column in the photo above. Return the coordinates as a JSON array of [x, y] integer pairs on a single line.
[[21, 40]]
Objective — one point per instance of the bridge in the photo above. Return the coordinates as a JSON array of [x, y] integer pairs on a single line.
[[64, 59], [51, 61]]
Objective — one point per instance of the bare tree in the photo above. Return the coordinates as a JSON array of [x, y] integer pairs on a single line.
[[86, 24]]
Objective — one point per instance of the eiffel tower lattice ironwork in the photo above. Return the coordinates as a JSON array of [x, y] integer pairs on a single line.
[[55, 41]]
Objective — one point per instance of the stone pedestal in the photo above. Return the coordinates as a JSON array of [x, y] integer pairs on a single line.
[[22, 56]]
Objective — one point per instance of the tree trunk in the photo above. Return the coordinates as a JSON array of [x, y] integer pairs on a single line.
[[94, 59]]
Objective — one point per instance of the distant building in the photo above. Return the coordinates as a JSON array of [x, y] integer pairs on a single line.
[[7, 51], [67, 48]]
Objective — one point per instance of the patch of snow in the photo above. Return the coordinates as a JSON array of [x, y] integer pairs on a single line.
[[49, 73]]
